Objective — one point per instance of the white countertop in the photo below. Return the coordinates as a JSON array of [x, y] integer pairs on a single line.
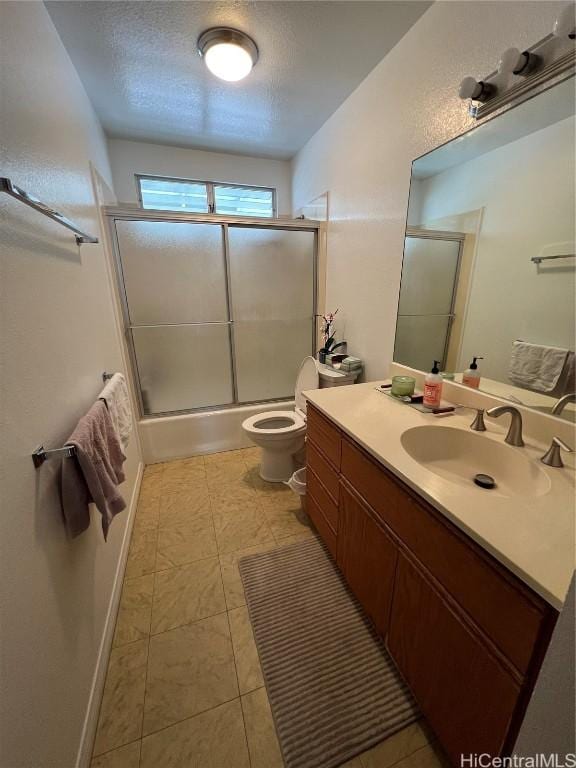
[[533, 536]]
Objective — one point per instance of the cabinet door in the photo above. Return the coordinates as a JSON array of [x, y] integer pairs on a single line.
[[465, 693], [366, 557]]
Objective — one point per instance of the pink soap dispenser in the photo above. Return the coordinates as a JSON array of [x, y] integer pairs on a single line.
[[433, 387]]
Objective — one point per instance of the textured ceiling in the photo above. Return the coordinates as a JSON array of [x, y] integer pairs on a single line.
[[139, 64]]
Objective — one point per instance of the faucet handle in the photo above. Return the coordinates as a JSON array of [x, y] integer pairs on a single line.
[[478, 423], [553, 457]]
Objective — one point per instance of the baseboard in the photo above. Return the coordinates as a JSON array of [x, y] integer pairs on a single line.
[[92, 710]]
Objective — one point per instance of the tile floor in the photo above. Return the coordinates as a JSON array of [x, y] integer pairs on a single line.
[[184, 687]]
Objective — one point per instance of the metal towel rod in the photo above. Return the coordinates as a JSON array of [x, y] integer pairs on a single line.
[[538, 259], [40, 455], [18, 193]]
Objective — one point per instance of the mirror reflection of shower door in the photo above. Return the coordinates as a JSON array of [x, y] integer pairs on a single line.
[[426, 305]]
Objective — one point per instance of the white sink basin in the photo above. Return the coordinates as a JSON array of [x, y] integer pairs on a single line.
[[457, 456]]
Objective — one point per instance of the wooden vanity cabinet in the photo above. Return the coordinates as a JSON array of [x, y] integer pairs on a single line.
[[466, 634], [367, 557]]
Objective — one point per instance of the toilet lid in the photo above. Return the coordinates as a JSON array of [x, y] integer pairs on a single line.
[[307, 379]]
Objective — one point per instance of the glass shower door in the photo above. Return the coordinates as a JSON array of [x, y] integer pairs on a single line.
[[272, 294], [425, 308], [175, 281]]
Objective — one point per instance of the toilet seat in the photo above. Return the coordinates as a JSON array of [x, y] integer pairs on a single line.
[[269, 424]]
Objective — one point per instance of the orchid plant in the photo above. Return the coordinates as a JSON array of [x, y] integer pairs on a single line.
[[328, 335]]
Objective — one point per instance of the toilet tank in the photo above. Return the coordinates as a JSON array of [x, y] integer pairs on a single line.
[[330, 377]]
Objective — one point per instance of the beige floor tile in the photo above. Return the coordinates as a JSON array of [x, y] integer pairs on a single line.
[[260, 731], [186, 543], [190, 669], [241, 528], [252, 456], [426, 757], [183, 504], [213, 739], [133, 621], [147, 516], [186, 462], [151, 487], [396, 748], [153, 469], [229, 498], [120, 720], [186, 594], [142, 553], [233, 588], [289, 521], [123, 757], [245, 652], [186, 472], [226, 473], [223, 457], [305, 533], [263, 488]]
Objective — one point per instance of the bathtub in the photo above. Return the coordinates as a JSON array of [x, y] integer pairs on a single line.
[[173, 437]]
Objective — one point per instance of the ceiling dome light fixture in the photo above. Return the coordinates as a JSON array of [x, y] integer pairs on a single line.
[[228, 53]]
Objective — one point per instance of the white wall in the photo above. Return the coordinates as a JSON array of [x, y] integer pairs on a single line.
[[57, 335], [407, 106], [130, 157], [526, 189]]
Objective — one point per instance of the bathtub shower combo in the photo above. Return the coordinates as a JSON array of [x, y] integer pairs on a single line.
[[219, 314]]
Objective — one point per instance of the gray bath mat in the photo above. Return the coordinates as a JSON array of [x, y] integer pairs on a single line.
[[333, 688]]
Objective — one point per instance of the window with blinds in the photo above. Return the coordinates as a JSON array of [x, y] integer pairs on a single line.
[[206, 197]]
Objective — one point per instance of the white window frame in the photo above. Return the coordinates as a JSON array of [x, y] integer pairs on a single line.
[[210, 192]]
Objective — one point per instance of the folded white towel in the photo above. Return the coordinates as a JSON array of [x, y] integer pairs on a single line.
[[115, 395], [537, 367]]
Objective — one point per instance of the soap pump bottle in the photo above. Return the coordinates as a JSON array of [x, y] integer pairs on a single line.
[[471, 377], [433, 387]]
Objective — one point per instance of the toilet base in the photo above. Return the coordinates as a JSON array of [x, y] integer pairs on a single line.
[[276, 467]]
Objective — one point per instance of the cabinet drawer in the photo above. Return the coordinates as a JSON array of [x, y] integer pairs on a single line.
[[465, 693], [323, 470], [327, 506], [324, 435], [498, 602], [324, 531]]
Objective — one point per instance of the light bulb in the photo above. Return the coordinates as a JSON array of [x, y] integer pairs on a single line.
[[510, 61], [469, 88], [228, 61], [565, 24], [477, 90]]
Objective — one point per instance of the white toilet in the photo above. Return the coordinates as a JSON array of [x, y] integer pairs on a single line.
[[281, 434]]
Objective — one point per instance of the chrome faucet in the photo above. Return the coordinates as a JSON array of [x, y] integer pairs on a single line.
[[559, 405], [514, 436]]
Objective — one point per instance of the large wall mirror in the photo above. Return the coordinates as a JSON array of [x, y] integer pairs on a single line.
[[489, 267]]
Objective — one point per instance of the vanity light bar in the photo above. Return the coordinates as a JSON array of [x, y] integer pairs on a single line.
[[522, 74]]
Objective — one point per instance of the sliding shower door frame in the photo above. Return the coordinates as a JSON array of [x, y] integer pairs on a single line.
[[129, 213], [444, 236]]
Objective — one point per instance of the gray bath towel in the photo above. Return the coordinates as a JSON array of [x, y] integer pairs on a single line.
[[94, 474]]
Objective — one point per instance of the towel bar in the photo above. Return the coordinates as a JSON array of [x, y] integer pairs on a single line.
[[11, 189], [41, 455], [540, 259]]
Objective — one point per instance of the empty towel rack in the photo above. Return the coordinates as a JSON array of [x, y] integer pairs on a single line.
[[18, 193], [553, 251], [539, 259]]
